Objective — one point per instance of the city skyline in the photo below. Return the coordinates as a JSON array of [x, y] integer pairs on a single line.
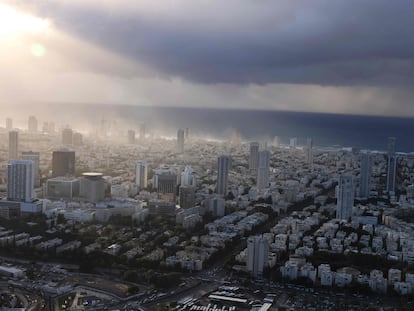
[[206, 155]]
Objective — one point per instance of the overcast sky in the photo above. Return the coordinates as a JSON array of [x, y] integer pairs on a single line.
[[353, 56]]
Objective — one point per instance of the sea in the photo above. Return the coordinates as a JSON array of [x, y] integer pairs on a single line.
[[365, 132]]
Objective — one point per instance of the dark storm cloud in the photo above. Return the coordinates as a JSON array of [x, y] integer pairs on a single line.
[[352, 42]]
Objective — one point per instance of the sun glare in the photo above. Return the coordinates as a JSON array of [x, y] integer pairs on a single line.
[[38, 50], [13, 22]]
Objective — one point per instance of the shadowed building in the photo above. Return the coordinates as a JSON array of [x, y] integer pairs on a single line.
[[224, 164], [392, 165], [345, 201], [254, 157], [365, 175], [35, 157], [63, 163], [92, 187]]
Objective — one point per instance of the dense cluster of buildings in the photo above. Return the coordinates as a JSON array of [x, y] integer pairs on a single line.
[[189, 181]]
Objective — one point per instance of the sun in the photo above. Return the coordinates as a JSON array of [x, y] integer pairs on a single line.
[[13, 22]]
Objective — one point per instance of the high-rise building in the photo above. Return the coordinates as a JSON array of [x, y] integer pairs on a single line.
[[216, 205], [77, 139], [293, 142], [9, 124], [224, 165], [35, 157], [345, 197], [263, 170], [165, 181], [365, 175], [254, 157], [32, 124], [257, 255], [67, 137], [309, 152], [392, 165], [13, 145], [180, 141], [20, 181], [187, 133], [92, 187], [66, 188], [235, 137], [141, 174], [63, 163], [142, 131], [131, 137], [187, 196], [276, 141], [188, 177]]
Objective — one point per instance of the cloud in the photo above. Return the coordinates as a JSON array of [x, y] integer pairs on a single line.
[[325, 56], [353, 42]]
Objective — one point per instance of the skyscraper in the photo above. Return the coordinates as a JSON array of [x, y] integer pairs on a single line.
[[67, 137], [187, 196], [224, 164], [35, 157], [131, 137], [293, 142], [142, 131], [32, 124], [257, 254], [9, 124], [309, 152], [77, 139], [392, 165], [263, 170], [165, 181], [13, 145], [180, 141], [141, 174], [187, 133], [254, 157], [365, 175], [20, 181], [187, 177], [345, 199], [63, 163]]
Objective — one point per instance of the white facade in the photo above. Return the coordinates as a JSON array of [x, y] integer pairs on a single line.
[[141, 174], [20, 180], [188, 178]]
